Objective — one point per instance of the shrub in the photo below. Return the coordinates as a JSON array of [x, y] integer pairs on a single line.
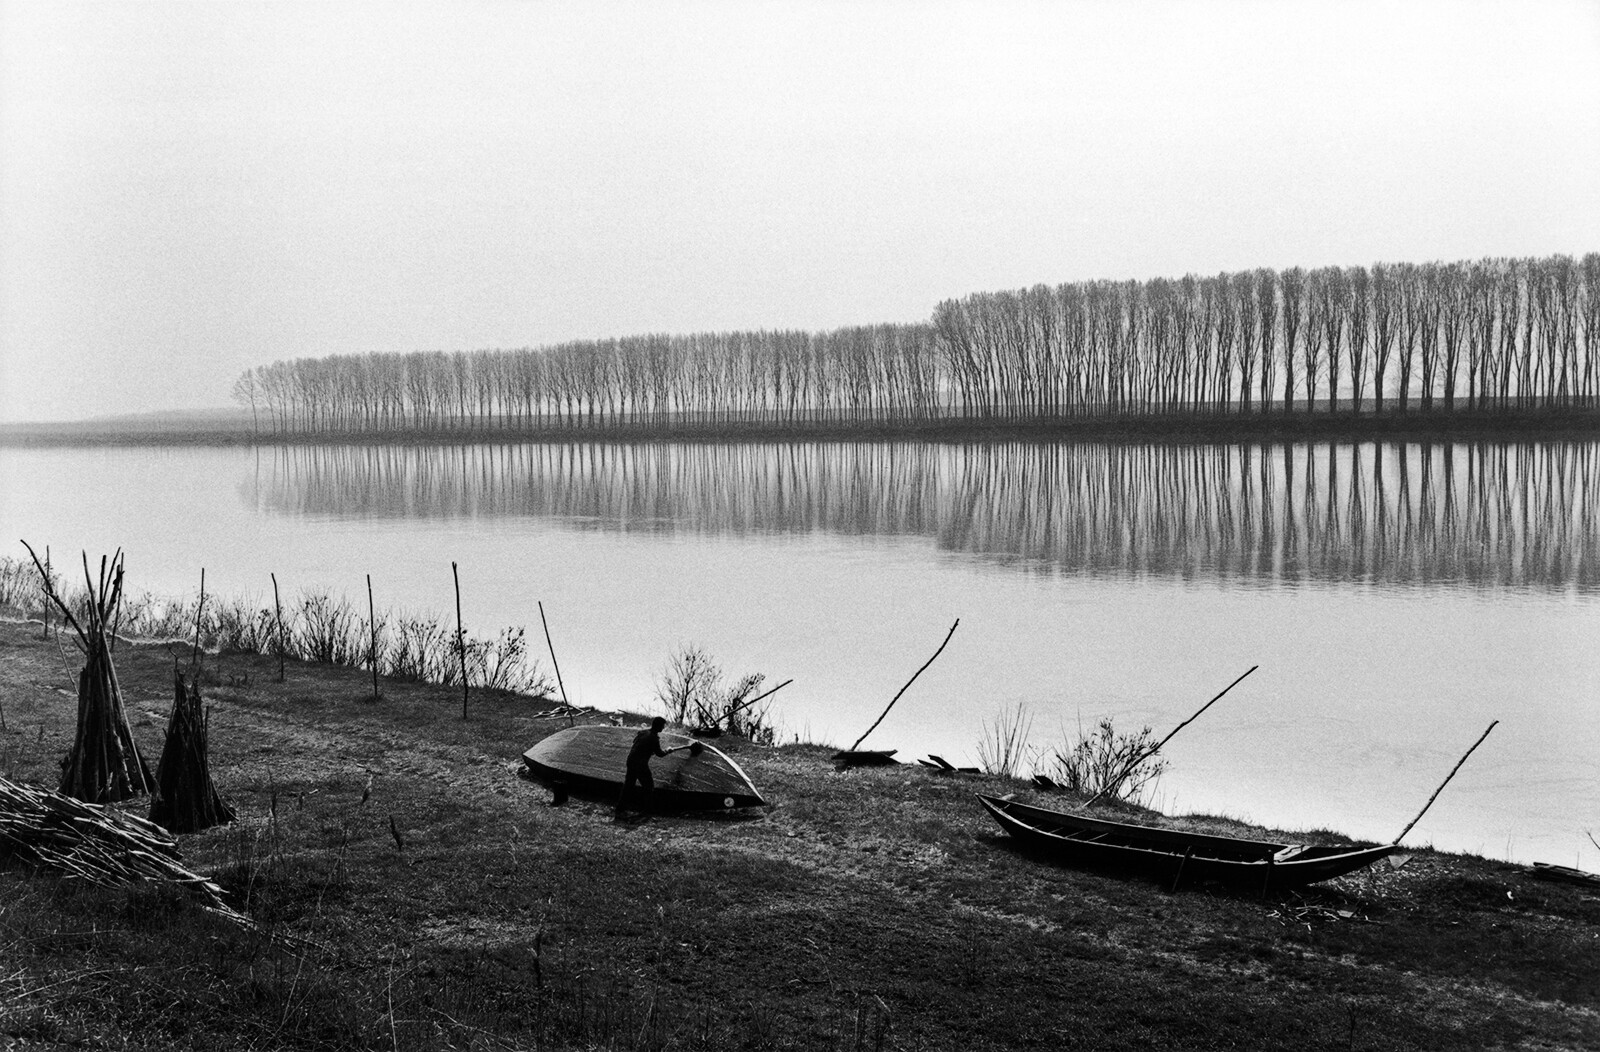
[[1103, 761], [692, 691]]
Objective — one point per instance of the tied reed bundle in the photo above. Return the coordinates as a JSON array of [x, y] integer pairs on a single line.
[[186, 799], [104, 765], [96, 844]]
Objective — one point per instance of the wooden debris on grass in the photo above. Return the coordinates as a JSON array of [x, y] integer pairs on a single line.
[[104, 765], [96, 844], [845, 759], [940, 765], [563, 712], [186, 799]]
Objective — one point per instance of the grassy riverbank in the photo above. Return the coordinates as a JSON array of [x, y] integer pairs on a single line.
[[866, 909]]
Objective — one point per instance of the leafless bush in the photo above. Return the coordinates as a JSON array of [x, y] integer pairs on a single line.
[[502, 663], [692, 691], [330, 631], [1104, 760], [423, 649]]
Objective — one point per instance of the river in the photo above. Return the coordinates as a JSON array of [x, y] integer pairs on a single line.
[[1397, 597]]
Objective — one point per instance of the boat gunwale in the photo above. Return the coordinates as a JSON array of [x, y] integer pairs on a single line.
[[1293, 870]]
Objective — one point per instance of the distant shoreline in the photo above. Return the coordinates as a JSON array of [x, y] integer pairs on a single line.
[[1391, 425]]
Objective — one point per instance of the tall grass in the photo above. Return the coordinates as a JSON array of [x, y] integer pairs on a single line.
[[319, 626], [1002, 749]]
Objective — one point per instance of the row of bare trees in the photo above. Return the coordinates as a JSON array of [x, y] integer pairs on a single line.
[[704, 379], [1490, 334]]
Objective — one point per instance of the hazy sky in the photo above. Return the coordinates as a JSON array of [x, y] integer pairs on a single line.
[[189, 190]]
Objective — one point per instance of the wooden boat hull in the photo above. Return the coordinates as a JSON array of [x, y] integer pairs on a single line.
[[1565, 874], [845, 758], [593, 761], [1174, 856]]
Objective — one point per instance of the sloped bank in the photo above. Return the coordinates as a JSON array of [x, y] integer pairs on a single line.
[[412, 891]]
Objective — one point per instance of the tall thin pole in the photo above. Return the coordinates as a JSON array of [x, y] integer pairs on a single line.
[[372, 623], [551, 647], [1444, 783], [277, 608], [194, 661], [461, 641], [907, 687], [1142, 757], [46, 603]]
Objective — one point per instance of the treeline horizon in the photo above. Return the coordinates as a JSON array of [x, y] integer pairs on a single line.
[[1485, 335]]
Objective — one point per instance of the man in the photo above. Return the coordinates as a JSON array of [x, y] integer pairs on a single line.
[[646, 744]]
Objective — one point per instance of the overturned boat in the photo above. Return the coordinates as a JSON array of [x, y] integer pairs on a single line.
[[593, 761]]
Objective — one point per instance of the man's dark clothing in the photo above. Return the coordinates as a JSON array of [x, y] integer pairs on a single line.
[[646, 743]]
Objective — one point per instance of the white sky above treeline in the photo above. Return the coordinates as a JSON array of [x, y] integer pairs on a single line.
[[188, 190]]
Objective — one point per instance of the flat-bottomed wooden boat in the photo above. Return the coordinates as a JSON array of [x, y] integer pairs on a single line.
[[1174, 856]]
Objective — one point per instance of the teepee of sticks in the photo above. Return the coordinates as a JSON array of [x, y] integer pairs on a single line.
[[104, 765], [186, 800]]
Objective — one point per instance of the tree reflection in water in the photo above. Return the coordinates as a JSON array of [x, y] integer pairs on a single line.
[[1486, 515]]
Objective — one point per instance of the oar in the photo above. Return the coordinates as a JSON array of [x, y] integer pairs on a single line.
[[1109, 786], [907, 687], [1442, 784], [752, 701]]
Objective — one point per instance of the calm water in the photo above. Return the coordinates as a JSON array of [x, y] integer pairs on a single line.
[[1396, 597]]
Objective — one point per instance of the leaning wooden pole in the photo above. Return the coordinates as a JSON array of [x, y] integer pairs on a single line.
[[277, 609], [746, 704], [46, 603], [552, 648], [1444, 783], [461, 641], [907, 687], [372, 654], [1142, 757]]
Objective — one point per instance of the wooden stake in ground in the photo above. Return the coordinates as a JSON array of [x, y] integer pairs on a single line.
[[277, 608], [194, 661], [907, 687], [186, 799], [104, 765], [372, 623], [461, 641], [46, 603], [1444, 783], [1129, 769]]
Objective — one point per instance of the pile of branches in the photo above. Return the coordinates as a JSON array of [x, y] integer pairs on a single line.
[[97, 845]]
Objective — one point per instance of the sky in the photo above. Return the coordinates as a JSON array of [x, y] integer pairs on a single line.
[[190, 190]]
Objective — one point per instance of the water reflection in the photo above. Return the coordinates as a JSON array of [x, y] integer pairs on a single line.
[[1490, 515]]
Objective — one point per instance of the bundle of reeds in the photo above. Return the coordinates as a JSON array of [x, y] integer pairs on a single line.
[[186, 800], [104, 765], [96, 844]]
